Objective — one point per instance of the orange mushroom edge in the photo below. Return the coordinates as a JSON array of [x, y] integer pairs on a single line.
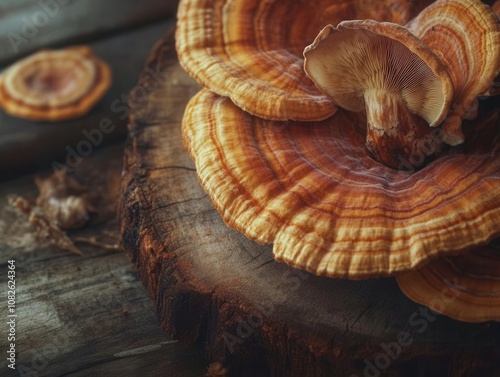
[[465, 287]]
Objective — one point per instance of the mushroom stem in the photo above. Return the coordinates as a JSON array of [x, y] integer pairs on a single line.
[[395, 136]]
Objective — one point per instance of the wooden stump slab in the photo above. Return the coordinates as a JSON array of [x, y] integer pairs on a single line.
[[225, 294]]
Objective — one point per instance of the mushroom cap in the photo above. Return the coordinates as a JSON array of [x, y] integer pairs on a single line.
[[358, 56], [251, 51], [54, 85], [465, 287], [328, 207], [465, 35]]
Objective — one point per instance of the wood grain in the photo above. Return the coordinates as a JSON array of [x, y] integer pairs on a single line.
[[214, 288]]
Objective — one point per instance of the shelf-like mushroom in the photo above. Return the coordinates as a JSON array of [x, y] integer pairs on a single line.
[[251, 51], [465, 287], [465, 35], [384, 69], [314, 191], [54, 85]]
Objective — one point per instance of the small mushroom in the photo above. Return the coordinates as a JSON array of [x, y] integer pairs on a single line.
[[313, 190], [465, 287], [251, 51], [384, 69], [54, 85], [465, 35]]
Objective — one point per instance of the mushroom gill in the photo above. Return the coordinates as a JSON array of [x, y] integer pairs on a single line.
[[54, 85], [385, 70]]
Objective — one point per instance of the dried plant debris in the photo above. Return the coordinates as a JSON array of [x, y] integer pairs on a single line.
[[63, 204], [92, 241], [64, 200], [217, 370], [45, 228]]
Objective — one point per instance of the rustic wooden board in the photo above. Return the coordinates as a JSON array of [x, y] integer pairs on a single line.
[[28, 25], [27, 145], [214, 288], [81, 316]]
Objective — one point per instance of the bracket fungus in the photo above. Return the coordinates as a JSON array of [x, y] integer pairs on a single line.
[[313, 190], [465, 287], [283, 165], [384, 69], [54, 85]]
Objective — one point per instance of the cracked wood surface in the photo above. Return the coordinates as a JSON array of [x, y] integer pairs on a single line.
[[214, 288]]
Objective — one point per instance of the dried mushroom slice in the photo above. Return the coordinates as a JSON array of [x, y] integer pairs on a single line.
[[251, 51], [465, 287], [54, 85], [465, 35], [328, 207]]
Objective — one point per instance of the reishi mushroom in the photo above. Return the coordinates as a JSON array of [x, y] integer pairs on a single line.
[[465, 287], [384, 69], [54, 85], [313, 190]]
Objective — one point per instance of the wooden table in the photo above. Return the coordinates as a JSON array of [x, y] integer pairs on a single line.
[[82, 316]]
